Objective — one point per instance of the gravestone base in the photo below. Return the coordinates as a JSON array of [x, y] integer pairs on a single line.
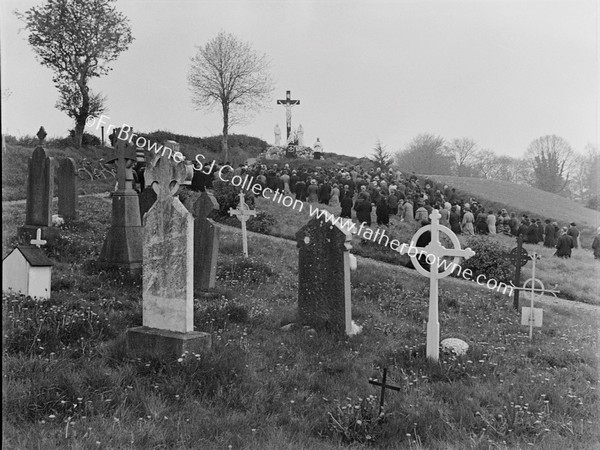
[[166, 343], [28, 232], [123, 249]]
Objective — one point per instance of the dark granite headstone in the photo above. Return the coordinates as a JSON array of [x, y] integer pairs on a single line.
[[40, 190], [67, 188], [324, 276], [147, 199], [206, 242]]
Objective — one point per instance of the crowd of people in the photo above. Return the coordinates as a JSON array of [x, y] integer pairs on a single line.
[[357, 192]]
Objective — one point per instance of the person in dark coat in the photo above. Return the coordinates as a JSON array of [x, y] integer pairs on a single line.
[[550, 239], [540, 230], [422, 242], [531, 236], [454, 221], [362, 206], [596, 244], [382, 211], [346, 204], [514, 224], [574, 233], [564, 245]]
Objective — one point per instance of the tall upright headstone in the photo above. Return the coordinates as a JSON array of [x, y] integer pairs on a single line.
[[123, 244], [67, 188], [40, 190], [168, 270], [324, 300], [206, 242]]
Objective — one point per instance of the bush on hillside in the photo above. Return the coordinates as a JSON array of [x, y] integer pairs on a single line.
[[489, 259], [594, 203]]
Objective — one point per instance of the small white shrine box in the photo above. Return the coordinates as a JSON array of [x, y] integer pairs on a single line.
[[26, 270]]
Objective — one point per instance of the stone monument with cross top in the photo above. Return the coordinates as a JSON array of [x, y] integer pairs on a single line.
[[123, 244], [243, 213], [436, 251], [168, 269]]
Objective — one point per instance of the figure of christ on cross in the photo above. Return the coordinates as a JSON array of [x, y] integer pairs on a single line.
[[243, 213], [437, 251], [288, 103]]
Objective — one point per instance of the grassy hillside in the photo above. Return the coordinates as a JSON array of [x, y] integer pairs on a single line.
[[69, 381], [521, 199]]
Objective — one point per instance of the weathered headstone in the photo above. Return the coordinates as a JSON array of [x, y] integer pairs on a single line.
[[243, 213], [123, 244], [168, 270], [40, 190], [437, 251], [324, 298], [206, 242], [67, 188]]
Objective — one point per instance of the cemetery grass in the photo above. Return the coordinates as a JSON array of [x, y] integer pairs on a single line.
[[69, 381], [576, 278]]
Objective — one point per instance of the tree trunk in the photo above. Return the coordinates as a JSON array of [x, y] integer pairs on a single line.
[[224, 146], [81, 118]]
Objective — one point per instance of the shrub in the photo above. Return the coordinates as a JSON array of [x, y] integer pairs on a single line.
[[490, 259], [357, 422]]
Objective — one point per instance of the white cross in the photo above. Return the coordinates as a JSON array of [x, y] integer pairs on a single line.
[[38, 241], [243, 213], [437, 251]]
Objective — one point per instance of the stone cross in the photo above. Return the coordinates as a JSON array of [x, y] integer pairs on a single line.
[[123, 243], [38, 241], [243, 213], [41, 134], [518, 256], [124, 157], [288, 103], [383, 388], [168, 254], [437, 251], [324, 291]]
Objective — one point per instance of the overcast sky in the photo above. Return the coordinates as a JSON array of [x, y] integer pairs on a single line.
[[500, 72]]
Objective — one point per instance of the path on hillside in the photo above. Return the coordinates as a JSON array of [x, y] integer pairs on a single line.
[[546, 299]]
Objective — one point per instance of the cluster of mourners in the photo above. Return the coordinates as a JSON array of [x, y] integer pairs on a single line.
[[392, 193]]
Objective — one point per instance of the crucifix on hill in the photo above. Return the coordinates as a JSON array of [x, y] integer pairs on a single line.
[[288, 103], [243, 213], [436, 251]]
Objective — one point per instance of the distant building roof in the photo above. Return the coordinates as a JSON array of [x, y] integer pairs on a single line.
[[35, 256]]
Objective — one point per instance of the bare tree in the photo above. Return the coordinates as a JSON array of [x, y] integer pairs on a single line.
[[551, 158], [462, 151], [77, 40], [426, 155], [228, 72]]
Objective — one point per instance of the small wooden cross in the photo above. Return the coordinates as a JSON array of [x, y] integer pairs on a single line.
[[38, 241], [243, 213], [383, 388]]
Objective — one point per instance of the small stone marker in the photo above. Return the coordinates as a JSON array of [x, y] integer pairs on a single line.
[[67, 188], [324, 295], [438, 251], [40, 190], [243, 213], [383, 388], [454, 345], [206, 242], [28, 270], [123, 244], [168, 270], [518, 257]]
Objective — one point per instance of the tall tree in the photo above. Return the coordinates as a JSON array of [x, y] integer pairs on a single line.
[[425, 155], [551, 158], [381, 157], [77, 39], [462, 151], [228, 72]]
